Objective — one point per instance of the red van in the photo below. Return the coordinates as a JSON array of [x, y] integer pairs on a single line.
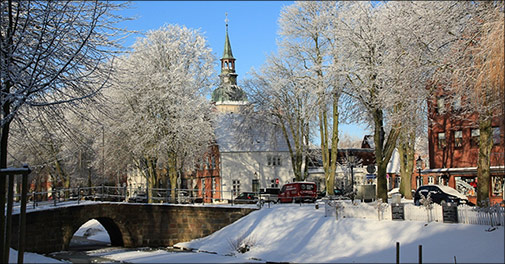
[[298, 192]]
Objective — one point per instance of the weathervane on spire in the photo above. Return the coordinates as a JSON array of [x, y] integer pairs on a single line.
[[226, 19]]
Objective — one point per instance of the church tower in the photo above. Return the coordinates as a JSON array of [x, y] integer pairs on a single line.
[[228, 96]]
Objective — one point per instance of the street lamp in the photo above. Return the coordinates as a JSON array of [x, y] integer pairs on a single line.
[[351, 161], [419, 166]]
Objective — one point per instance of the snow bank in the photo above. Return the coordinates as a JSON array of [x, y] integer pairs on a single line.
[[290, 233], [30, 258]]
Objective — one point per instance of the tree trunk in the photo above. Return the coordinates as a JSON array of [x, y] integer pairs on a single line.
[[323, 127], [383, 152], [406, 151], [484, 162], [172, 174], [334, 143], [151, 177]]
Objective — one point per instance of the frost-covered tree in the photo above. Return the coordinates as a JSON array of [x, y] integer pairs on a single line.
[[279, 92], [57, 149], [161, 111], [51, 52], [390, 51], [307, 36], [476, 77], [363, 37]]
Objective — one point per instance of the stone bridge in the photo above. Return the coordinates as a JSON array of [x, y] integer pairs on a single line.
[[128, 225]]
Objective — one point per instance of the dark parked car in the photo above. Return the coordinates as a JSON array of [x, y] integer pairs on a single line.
[[440, 194], [246, 198]]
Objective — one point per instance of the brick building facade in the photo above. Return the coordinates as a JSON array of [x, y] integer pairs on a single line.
[[454, 149]]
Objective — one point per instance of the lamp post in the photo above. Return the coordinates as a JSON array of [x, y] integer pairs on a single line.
[[352, 160], [419, 166]]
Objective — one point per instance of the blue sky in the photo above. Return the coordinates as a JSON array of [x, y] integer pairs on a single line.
[[252, 29]]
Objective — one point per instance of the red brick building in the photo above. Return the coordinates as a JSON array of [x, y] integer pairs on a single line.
[[205, 180], [454, 149]]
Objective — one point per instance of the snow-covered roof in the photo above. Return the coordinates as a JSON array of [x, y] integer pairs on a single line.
[[394, 163], [233, 134]]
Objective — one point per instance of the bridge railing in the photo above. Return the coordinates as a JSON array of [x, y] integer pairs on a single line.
[[59, 196]]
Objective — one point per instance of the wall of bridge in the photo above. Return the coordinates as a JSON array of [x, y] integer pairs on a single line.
[[128, 225]]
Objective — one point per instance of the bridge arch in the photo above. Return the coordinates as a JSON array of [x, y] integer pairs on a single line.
[[128, 225], [112, 229]]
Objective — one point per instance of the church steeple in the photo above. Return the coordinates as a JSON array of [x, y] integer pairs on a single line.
[[227, 54], [228, 93], [227, 61]]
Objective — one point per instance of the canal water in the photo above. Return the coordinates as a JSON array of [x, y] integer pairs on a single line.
[[83, 250]]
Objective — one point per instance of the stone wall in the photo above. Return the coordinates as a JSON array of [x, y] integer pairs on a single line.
[[128, 225]]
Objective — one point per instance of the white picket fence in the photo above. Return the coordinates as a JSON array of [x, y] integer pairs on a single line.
[[493, 216]]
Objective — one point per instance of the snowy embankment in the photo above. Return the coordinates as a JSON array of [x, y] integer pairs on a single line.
[[293, 233], [290, 233]]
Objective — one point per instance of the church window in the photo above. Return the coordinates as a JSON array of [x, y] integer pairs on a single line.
[[274, 160]]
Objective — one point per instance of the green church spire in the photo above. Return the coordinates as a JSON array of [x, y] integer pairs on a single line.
[[228, 90], [227, 54]]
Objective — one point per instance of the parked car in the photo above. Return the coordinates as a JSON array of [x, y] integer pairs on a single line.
[[298, 192], [269, 194], [246, 198], [440, 194], [336, 193]]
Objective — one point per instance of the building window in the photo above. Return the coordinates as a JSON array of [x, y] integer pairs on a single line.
[[431, 180], [456, 103], [255, 185], [440, 105], [441, 140], [213, 162], [419, 181], [497, 186], [236, 187], [274, 160], [475, 137], [213, 186], [458, 139], [496, 135]]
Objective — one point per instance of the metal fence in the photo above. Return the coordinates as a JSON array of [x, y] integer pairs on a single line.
[[58, 196], [492, 215]]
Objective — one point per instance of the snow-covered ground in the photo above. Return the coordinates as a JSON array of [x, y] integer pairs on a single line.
[[93, 230], [293, 233]]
